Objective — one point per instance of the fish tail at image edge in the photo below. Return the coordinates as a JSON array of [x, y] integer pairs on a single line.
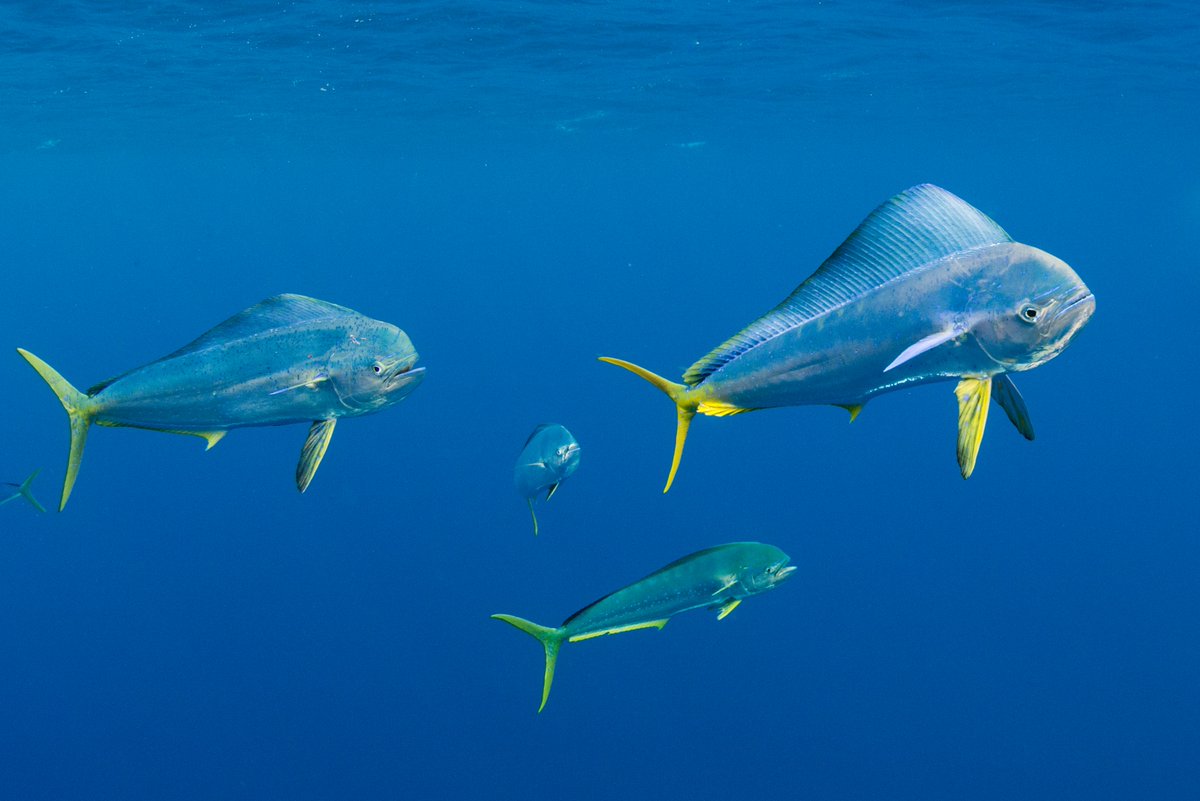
[[79, 411]]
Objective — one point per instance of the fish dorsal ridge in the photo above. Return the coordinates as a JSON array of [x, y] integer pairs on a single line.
[[273, 313], [919, 226]]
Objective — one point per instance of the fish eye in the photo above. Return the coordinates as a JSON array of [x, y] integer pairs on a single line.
[[1030, 314], [378, 368]]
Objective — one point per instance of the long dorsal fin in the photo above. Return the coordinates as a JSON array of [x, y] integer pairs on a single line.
[[916, 227], [275, 312]]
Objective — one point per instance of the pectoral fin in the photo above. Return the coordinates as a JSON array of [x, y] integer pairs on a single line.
[[309, 384], [729, 582], [973, 395], [1004, 393], [727, 608], [314, 451], [920, 346]]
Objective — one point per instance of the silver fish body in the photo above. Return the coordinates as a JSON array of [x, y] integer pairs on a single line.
[[288, 359], [551, 455], [926, 289]]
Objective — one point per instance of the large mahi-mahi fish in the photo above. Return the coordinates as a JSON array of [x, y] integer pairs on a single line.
[[288, 359], [927, 288]]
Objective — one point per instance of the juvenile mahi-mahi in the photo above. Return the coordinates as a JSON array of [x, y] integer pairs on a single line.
[[718, 578], [288, 359], [551, 454], [927, 288]]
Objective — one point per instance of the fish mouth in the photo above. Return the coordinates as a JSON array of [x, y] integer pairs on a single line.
[[784, 572], [403, 372], [1084, 298]]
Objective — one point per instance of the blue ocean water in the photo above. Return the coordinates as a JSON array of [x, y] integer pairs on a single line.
[[522, 187]]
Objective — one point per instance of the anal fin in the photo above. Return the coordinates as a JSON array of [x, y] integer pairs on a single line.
[[314, 451], [650, 624], [973, 396]]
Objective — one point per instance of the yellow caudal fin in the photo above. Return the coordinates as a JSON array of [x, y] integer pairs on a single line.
[[79, 412], [973, 396], [685, 408], [551, 640]]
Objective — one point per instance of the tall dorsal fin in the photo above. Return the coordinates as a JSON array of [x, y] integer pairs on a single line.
[[915, 228], [540, 427], [272, 313]]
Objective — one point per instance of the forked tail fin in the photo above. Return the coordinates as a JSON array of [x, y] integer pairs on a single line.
[[685, 408], [79, 412], [551, 640], [26, 490]]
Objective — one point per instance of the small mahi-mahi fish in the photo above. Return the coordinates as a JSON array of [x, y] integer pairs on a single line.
[[288, 359], [550, 456], [23, 490], [718, 578], [927, 288]]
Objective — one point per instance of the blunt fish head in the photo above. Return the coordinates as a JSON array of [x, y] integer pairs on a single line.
[[1031, 308], [375, 368], [566, 458], [764, 567]]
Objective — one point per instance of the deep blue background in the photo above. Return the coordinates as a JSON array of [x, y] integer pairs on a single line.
[[523, 187]]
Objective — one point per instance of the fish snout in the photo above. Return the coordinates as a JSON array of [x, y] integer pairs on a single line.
[[1080, 305], [404, 378]]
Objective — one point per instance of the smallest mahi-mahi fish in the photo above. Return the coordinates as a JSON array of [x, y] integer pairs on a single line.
[[550, 456], [717, 578], [288, 359], [23, 490]]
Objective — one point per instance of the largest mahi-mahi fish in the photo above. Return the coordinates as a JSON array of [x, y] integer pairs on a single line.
[[288, 359], [927, 288]]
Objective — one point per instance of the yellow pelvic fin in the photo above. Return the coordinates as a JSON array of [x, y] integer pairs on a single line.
[[650, 624], [80, 409], [313, 451], [853, 408], [533, 514], [727, 608], [551, 640], [973, 396], [553, 489]]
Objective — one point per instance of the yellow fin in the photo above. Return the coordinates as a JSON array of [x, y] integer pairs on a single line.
[[533, 514], [685, 407], [727, 608], [551, 640], [853, 408], [80, 410], [314, 451], [652, 624], [211, 437], [719, 408], [973, 396]]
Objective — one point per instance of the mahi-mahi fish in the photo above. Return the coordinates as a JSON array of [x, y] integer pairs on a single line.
[[927, 288], [717, 578], [550, 456], [23, 490], [288, 359]]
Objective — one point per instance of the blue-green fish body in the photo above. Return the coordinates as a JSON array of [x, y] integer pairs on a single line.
[[288, 359], [551, 454], [719, 577], [926, 289]]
